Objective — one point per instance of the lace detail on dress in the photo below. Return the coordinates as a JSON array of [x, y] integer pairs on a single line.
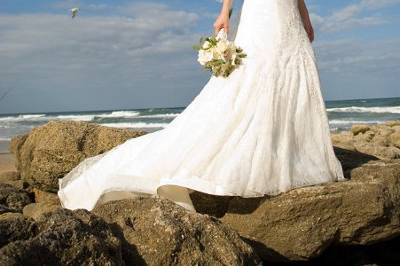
[[295, 38]]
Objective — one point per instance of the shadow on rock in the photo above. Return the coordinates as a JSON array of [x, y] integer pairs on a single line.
[[386, 253], [352, 159], [130, 253]]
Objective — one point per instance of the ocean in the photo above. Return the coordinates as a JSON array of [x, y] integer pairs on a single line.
[[341, 113]]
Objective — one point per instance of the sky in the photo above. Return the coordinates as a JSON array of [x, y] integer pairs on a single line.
[[120, 54]]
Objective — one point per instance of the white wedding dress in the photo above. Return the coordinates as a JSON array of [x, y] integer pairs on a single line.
[[263, 130]]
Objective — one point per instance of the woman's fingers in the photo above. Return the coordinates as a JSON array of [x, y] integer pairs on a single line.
[[218, 28], [222, 22], [226, 28]]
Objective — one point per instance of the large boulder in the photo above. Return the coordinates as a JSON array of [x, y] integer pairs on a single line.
[[45, 197], [62, 237], [50, 151], [381, 140], [304, 222], [36, 210], [164, 233]]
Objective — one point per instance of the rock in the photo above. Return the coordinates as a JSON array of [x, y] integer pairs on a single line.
[[395, 139], [164, 233], [5, 209], [50, 151], [143, 231], [396, 128], [352, 159], [35, 210], [392, 123], [382, 152], [380, 140], [14, 226], [62, 237], [301, 224], [367, 136], [13, 198], [297, 225], [385, 253], [385, 131], [16, 143], [46, 197], [343, 140], [359, 128]]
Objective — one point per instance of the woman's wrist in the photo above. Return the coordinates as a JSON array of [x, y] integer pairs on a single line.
[[226, 8], [224, 12]]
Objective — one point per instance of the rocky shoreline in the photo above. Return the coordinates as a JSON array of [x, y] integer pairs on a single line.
[[354, 222]]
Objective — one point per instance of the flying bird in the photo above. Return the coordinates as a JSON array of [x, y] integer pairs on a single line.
[[74, 12], [5, 94]]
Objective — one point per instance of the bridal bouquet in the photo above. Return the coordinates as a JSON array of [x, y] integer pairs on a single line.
[[219, 55]]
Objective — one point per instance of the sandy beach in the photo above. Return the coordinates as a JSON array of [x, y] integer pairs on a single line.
[[4, 146], [6, 158]]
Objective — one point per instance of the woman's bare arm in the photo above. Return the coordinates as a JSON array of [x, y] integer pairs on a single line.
[[222, 21], [306, 20]]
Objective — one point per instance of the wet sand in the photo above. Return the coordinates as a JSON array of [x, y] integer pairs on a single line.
[[6, 158], [4, 146], [6, 162]]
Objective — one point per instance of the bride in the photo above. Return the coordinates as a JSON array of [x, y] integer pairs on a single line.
[[263, 130]]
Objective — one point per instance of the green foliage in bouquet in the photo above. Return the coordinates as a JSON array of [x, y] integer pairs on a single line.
[[220, 67], [219, 61], [212, 40]]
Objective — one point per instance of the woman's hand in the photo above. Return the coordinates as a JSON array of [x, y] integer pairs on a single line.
[[222, 22]]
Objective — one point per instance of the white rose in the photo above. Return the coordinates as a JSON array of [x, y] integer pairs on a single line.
[[222, 46], [204, 57], [217, 55], [206, 45]]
